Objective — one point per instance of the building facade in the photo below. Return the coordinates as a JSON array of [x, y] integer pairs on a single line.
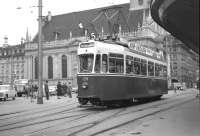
[[12, 63], [59, 61], [184, 63]]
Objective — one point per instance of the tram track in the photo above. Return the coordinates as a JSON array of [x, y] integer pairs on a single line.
[[87, 117], [141, 117], [92, 125], [54, 116], [28, 112]]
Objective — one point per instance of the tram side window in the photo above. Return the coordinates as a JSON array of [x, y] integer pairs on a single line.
[[116, 63], [97, 63], [104, 63], [129, 65], [150, 68], [163, 71], [137, 65], [143, 67], [157, 69]]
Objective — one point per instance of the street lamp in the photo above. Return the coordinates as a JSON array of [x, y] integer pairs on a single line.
[[40, 91]]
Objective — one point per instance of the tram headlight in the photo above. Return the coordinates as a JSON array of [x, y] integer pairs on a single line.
[[84, 82], [84, 85]]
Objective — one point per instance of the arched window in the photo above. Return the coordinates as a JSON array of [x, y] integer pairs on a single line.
[[50, 67], [64, 66], [36, 67]]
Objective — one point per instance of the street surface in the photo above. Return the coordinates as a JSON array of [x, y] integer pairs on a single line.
[[176, 114]]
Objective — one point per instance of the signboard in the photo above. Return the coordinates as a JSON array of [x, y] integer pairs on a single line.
[[139, 48]]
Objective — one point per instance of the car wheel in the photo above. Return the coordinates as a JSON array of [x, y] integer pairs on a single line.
[[4, 98], [13, 98]]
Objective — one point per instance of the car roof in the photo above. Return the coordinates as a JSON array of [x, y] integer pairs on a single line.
[[4, 85]]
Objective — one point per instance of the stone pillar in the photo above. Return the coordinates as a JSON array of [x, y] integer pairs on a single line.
[[45, 67], [57, 66]]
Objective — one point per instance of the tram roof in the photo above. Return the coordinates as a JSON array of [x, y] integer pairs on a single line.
[[114, 47]]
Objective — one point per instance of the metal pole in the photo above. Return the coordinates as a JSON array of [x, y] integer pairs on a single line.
[[11, 64], [40, 90]]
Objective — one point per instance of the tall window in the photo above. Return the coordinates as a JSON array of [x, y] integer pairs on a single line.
[[64, 66], [50, 67], [36, 68]]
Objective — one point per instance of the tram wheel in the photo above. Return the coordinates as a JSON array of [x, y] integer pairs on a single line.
[[83, 101]]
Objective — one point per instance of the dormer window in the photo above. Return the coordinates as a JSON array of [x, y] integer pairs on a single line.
[[56, 35]]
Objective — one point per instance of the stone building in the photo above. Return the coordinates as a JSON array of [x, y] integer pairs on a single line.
[[11, 63], [62, 34], [184, 62]]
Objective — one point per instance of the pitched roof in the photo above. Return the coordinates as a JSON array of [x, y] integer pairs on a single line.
[[93, 20]]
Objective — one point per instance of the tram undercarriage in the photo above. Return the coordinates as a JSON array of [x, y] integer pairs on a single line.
[[122, 102]]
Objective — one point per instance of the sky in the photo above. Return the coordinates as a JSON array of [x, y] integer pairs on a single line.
[[18, 16]]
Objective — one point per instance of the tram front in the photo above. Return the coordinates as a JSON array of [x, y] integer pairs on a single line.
[[86, 57]]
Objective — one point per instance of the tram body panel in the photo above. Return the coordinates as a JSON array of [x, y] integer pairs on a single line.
[[108, 88]]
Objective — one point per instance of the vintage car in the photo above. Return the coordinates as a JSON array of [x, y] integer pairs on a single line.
[[7, 91]]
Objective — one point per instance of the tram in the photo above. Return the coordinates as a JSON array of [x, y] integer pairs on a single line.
[[111, 72]]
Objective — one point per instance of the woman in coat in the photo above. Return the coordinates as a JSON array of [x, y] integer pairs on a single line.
[[59, 90]]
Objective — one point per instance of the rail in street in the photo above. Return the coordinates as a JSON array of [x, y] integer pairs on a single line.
[[66, 118]]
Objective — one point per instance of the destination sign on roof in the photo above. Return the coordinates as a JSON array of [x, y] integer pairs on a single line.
[[139, 48]]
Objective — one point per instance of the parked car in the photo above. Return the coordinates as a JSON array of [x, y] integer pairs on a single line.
[[52, 90], [75, 89], [6, 91]]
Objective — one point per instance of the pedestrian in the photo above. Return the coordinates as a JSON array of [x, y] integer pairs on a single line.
[[35, 90], [59, 90], [64, 88], [46, 89], [69, 90], [32, 92]]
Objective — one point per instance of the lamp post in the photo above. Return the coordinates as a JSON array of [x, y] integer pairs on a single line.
[[40, 91]]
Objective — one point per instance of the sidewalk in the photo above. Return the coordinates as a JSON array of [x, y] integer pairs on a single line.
[[179, 121]]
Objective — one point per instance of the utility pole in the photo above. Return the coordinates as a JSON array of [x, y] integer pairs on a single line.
[[168, 62], [12, 72], [40, 91]]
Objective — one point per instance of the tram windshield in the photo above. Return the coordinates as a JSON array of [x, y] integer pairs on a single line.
[[86, 63]]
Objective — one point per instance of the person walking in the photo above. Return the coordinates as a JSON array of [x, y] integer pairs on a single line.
[[59, 90], [69, 90], [64, 86], [46, 89], [31, 92]]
